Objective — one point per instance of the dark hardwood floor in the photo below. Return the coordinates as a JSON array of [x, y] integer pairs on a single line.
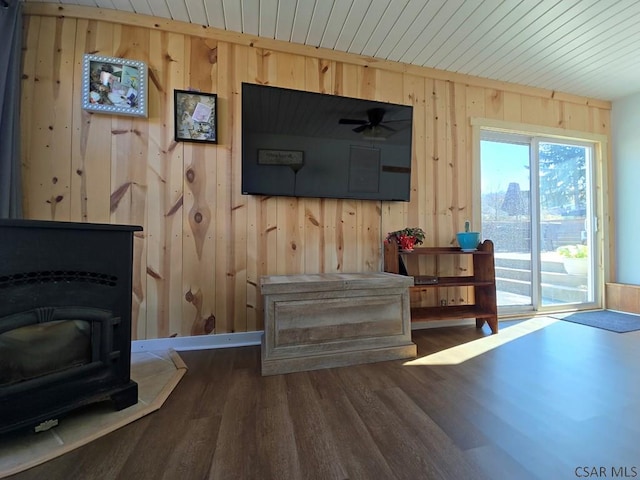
[[544, 401]]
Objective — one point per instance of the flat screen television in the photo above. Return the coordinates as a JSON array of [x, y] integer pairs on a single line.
[[304, 144]]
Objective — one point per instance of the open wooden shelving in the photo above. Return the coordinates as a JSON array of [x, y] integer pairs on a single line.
[[483, 281]]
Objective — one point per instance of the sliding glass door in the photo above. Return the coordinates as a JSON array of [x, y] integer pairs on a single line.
[[537, 207]]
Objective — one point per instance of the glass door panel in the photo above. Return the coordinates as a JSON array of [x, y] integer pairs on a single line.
[[537, 206], [564, 207], [506, 217]]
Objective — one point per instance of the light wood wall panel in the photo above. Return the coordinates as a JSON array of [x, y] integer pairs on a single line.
[[204, 246], [622, 297], [200, 191]]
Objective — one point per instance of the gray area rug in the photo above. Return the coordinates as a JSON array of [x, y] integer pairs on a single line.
[[605, 319]]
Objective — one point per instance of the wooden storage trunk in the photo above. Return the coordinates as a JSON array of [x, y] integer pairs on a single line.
[[334, 319]]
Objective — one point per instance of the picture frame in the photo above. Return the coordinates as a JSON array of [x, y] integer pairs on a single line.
[[195, 116], [114, 85]]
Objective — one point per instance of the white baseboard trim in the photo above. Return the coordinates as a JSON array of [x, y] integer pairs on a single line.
[[245, 339], [199, 342]]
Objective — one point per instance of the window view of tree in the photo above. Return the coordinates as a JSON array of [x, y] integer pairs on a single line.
[[563, 182]]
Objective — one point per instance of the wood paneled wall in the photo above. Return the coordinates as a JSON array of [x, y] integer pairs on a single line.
[[204, 245]]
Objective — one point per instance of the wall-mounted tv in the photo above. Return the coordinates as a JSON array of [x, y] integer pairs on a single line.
[[304, 144]]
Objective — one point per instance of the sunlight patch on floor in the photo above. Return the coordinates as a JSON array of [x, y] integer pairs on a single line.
[[461, 353]]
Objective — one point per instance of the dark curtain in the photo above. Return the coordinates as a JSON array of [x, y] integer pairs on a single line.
[[10, 68]]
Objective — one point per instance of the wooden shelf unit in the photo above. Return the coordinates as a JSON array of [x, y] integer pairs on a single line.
[[483, 282]]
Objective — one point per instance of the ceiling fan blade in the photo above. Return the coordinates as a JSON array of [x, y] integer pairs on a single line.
[[361, 128], [351, 121], [382, 125]]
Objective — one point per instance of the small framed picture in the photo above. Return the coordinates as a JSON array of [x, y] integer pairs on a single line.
[[195, 116], [114, 85]]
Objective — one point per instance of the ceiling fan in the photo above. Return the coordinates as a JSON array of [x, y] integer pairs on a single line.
[[374, 119]]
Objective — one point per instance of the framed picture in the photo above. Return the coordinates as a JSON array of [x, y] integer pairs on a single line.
[[114, 85], [195, 116]]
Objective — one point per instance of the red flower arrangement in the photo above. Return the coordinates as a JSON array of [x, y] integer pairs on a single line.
[[407, 238]]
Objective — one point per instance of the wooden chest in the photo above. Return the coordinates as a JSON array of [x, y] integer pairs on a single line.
[[334, 319]]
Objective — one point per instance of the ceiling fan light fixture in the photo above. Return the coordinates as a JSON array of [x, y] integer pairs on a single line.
[[374, 133]]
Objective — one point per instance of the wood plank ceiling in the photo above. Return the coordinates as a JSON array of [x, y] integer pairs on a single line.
[[584, 47]]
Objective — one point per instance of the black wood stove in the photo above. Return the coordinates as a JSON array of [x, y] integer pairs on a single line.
[[65, 319]]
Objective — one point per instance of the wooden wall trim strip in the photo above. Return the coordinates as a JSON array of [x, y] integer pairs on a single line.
[[623, 297], [139, 20], [539, 130]]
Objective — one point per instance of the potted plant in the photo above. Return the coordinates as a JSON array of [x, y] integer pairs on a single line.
[[406, 238], [574, 258]]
